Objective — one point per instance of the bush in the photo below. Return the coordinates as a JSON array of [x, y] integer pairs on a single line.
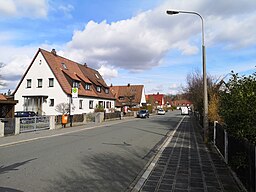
[[99, 108], [237, 106]]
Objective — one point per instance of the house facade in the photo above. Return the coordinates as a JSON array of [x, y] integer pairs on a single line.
[[51, 80], [156, 100], [129, 95]]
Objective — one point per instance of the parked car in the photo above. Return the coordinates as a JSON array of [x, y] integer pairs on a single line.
[[160, 111], [143, 113], [24, 114]]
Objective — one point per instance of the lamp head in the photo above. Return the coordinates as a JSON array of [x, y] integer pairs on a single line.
[[169, 12]]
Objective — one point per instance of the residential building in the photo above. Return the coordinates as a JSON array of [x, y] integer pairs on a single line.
[[51, 80], [129, 95], [181, 102], [156, 100]]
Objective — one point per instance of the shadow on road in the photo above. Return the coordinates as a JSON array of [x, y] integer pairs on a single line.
[[102, 172], [13, 167], [6, 189]]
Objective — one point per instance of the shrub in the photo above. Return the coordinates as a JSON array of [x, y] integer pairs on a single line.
[[237, 106]]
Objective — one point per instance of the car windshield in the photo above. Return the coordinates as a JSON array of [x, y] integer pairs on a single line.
[[143, 111]]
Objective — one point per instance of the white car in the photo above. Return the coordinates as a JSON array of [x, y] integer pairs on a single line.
[[184, 111], [160, 112]]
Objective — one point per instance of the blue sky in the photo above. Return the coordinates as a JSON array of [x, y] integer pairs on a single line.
[[130, 41]]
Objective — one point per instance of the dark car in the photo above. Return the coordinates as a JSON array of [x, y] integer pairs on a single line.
[[24, 114], [143, 113]]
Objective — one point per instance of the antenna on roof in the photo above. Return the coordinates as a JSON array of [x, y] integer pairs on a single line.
[[54, 52]]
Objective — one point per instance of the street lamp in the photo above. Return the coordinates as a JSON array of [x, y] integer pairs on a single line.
[[205, 125]]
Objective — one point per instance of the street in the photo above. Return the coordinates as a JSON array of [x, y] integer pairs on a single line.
[[107, 158]]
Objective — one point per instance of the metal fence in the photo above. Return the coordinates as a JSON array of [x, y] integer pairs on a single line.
[[219, 140], [34, 123], [239, 154]]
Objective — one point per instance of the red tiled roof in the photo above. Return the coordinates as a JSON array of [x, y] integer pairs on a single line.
[[2, 97], [67, 71], [127, 90], [157, 97]]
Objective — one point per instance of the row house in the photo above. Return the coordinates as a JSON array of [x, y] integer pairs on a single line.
[[51, 80]]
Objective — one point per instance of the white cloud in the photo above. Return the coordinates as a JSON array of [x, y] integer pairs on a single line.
[[24, 8], [66, 10], [7, 7], [108, 72], [15, 67], [142, 41]]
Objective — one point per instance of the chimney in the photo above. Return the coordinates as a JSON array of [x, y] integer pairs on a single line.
[[129, 85], [85, 64], [54, 52]]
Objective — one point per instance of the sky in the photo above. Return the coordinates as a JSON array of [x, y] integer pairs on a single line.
[[130, 41]]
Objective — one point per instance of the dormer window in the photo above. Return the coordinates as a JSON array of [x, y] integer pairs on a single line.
[[98, 88], [64, 65], [87, 86], [76, 84], [121, 98], [107, 91]]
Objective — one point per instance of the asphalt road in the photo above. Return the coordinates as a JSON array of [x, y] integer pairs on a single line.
[[102, 159]]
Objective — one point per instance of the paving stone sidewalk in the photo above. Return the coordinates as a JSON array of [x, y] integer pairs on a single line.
[[187, 165]]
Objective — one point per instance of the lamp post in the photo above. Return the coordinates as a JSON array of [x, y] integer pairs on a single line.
[[205, 96]]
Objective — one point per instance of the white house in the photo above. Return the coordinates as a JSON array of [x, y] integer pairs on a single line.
[[49, 81]]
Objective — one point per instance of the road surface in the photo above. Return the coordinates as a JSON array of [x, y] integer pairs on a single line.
[[107, 158]]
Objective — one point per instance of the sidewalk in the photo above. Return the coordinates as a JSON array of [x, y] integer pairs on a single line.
[[35, 135], [187, 165]]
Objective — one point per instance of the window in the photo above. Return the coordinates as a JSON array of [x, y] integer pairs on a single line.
[[76, 84], [29, 82], [87, 86], [50, 82], [91, 104], [64, 65], [98, 88], [106, 91], [96, 75], [101, 103], [121, 98], [51, 102], [39, 83], [80, 104], [108, 104]]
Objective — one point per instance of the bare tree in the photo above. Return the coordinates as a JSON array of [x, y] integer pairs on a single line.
[[194, 89], [62, 108], [130, 95]]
